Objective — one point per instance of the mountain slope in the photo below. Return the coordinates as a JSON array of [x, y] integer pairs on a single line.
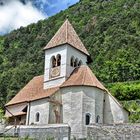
[[109, 29]]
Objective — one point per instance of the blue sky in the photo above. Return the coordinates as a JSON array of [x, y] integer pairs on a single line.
[[54, 6], [17, 13]]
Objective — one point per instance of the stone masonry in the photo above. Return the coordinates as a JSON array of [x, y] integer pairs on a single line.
[[114, 132], [53, 131]]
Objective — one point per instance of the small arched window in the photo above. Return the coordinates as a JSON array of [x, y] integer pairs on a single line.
[[80, 63], [37, 117], [76, 62], [58, 60], [87, 119], [72, 61], [53, 61], [97, 119]]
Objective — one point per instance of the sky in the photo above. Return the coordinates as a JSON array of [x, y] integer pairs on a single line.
[[17, 13]]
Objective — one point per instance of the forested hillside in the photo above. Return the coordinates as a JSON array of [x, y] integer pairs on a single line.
[[110, 29]]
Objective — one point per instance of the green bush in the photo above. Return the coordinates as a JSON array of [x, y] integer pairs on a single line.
[[1, 114], [125, 90], [134, 108]]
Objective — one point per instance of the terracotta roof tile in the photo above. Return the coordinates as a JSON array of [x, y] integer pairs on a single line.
[[33, 91], [67, 34], [83, 76]]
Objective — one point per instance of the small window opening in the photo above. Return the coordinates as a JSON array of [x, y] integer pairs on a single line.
[[97, 119], [37, 117], [87, 119], [53, 61], [72, 61], [58, 60], [80, 63], [76, 62]]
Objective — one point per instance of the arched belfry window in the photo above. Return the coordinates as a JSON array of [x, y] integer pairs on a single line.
[[80, 63], [58, 60], [37, 117], [97, 119], [53, 61], [76, 62], [72, 61], [87, 121]]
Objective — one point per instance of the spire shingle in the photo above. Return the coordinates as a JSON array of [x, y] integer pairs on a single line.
[[67, 34]]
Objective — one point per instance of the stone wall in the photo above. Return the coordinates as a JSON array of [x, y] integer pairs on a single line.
[[114, 132], [1, 127], [56, 131]]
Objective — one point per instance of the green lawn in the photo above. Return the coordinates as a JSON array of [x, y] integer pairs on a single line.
[[8, 138], [14, 138]]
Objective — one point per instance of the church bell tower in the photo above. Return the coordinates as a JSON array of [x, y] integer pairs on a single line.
[[63, 53]]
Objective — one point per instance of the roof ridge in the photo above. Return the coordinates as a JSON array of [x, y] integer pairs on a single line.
[[67, 30]]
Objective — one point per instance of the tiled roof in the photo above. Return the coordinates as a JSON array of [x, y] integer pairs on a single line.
[[67, 34], [33, 91], [83, 76]]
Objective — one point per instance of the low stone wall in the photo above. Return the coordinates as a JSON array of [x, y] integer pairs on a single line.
[[114, 132], [2, 126], [54, 131]]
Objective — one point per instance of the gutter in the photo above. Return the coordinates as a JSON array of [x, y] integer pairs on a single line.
[[28, 113]]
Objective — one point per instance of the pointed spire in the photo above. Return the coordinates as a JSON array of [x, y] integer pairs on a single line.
[[67, 35]]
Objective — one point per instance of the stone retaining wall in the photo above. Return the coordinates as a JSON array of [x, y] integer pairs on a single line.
[[56, 131], [114, 132], [2, 126]]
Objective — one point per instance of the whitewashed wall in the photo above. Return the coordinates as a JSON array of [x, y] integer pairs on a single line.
[[62, 50], [92, 104], [42, 107], [66, 52], [76, 54], [114, 113], [72, 109], [77, 101]]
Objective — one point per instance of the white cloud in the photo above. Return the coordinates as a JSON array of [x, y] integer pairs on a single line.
[[14, 14]]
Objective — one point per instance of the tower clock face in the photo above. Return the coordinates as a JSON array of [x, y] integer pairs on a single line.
[[55, 72]]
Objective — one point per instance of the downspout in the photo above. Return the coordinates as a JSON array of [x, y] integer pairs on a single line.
[[28, 113], [104, 107]]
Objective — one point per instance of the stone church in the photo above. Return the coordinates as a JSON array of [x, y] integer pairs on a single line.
[[68, 92]]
